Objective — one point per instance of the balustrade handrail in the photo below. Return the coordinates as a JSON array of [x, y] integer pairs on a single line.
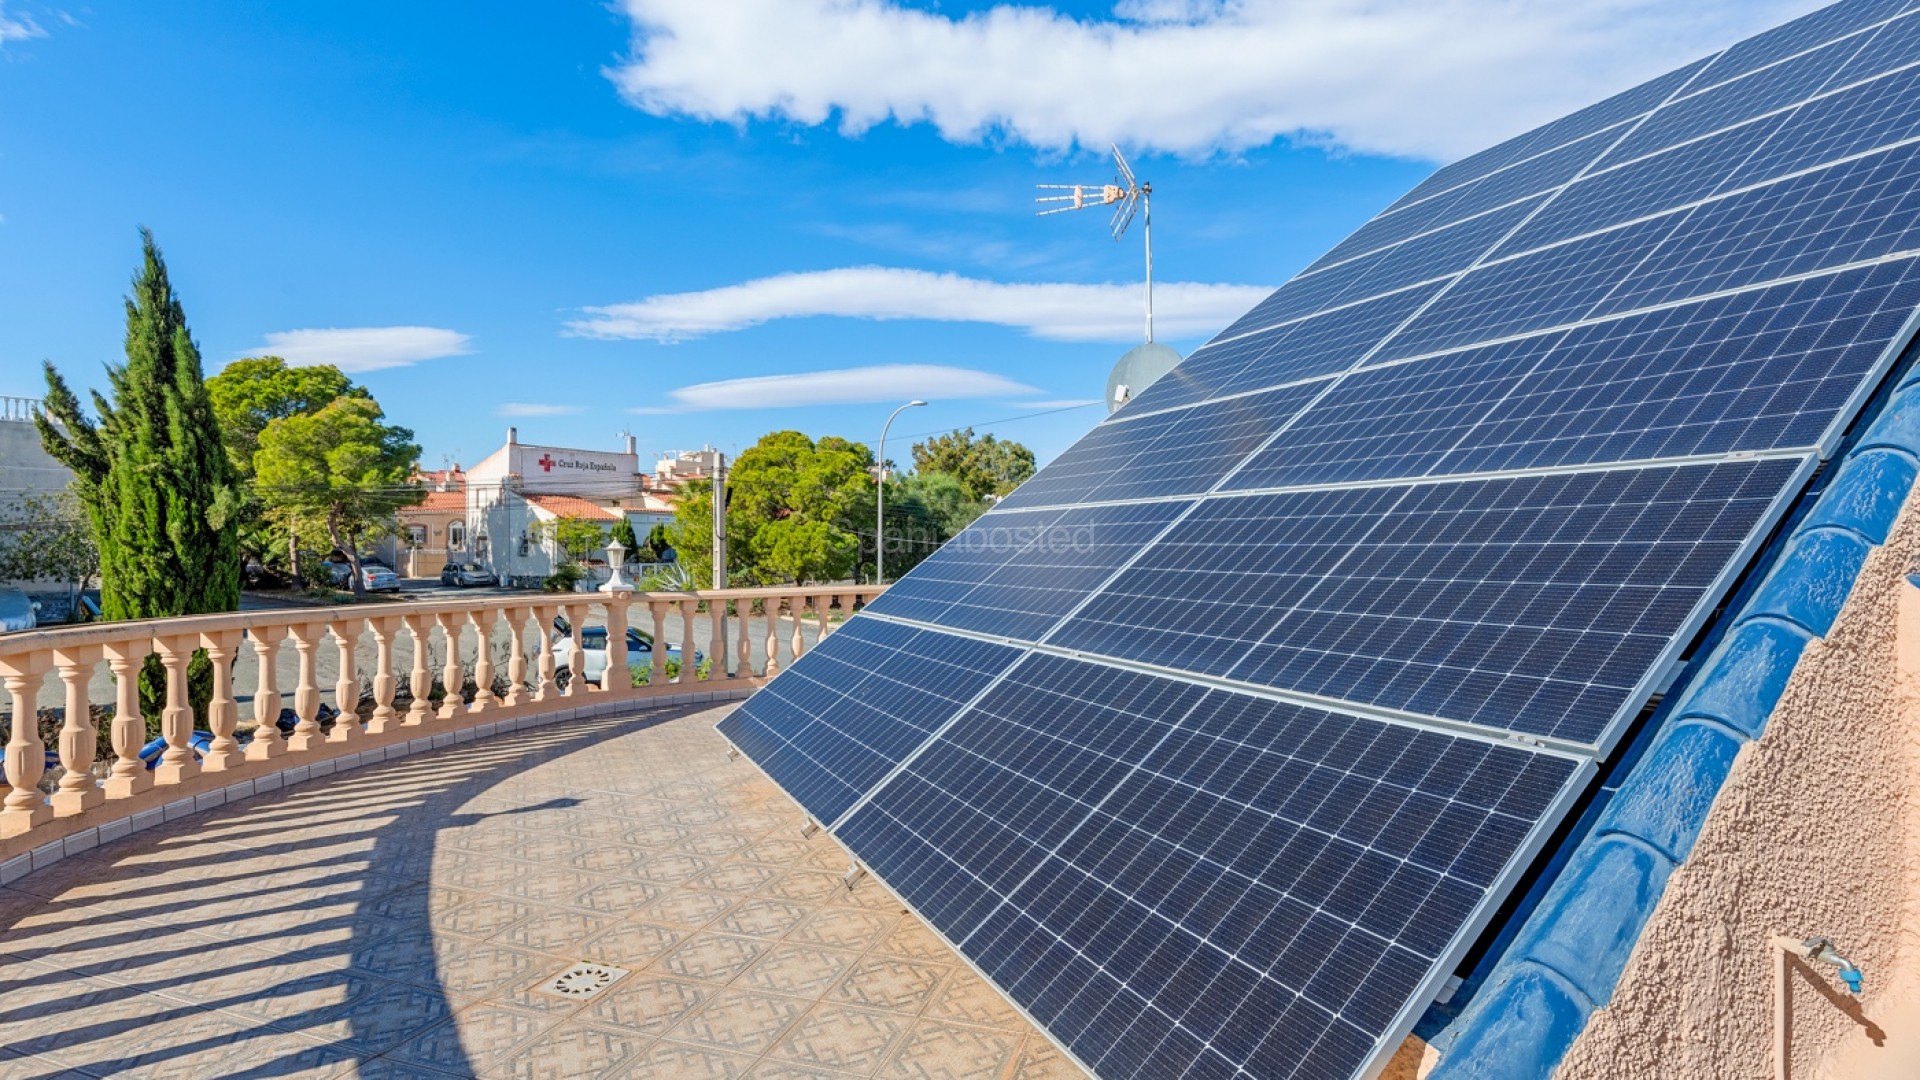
[[93, 633], [265, 658]]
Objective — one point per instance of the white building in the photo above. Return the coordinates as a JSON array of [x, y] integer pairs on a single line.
[[679, 466], [517, 490]]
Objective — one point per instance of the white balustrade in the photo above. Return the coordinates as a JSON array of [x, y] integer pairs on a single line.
[[239, 723]]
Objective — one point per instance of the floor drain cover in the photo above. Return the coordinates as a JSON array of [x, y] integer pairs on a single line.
[[583, 980]]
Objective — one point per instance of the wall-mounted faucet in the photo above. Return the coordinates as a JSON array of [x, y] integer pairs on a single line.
[[1815, 949]]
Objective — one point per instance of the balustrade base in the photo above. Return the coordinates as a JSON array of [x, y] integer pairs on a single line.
[[16, 822], [126, 787], [68, 803]]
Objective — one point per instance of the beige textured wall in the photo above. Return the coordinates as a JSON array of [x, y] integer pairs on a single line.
[[1816, 832]]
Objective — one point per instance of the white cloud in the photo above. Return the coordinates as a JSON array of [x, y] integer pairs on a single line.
[[846, 386], [1422, 78], [20, 28], [1063, 403], [1061, 312], [527, 408], [365, 348]]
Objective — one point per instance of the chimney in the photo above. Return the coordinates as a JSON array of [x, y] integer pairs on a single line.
[[630, 446], [513, 436]]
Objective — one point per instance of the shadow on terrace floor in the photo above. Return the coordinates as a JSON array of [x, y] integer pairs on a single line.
[[395, 921]]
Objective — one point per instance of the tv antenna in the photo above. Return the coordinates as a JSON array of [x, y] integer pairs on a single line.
[[1125, 195]]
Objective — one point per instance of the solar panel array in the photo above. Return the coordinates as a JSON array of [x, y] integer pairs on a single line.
[[1215, 744]]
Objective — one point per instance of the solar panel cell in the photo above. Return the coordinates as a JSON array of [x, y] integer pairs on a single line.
[[861, 701]]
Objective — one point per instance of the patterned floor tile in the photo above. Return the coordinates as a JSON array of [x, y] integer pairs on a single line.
[[800, 970], [762, 918], [483, 917], [966, 999], [691, 908], [845, 928], [669, 1060], [478, 1038], [740, 1021], [948, 1052], [556, 931], [839, 1037], [647, 1005], [571, 1051], [712, 957], [913, 941], [631, 944], [246, 943]]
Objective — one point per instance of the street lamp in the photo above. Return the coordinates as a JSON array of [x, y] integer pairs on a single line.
[[880, 501]]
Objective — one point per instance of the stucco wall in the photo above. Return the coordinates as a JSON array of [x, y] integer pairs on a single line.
[[1817, 831]]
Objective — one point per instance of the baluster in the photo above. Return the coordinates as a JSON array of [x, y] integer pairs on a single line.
[[453, 677], [346, 687], [772, 666], [483, 698], [306, 687], [716, 633], [420, 680], [826, 611], [177, 762], [384, 683], [543, 662], [26, 757], [657, 674], [77, 792], [617, 679], [266, 694], [223, 712], [516, 620], [743, 661], [129, 731], [576, 661], [798, 605]]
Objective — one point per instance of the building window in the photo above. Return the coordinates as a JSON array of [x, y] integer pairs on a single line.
[[456, 535], [417, 536]]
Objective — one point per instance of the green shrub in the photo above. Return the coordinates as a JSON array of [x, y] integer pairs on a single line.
[[564, 578], [642, 674]]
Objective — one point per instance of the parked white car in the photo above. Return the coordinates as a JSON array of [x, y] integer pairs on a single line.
[[593, 646], [17, 612]]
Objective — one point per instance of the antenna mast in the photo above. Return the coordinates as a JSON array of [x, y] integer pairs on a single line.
[[1126, 195]]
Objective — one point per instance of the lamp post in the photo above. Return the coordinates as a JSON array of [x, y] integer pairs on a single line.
[[880, 501]]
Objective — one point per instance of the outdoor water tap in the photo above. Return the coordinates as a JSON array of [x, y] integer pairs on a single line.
[[1823, 950]]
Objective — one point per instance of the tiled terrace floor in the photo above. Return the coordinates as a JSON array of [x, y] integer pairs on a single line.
[[393, 922]]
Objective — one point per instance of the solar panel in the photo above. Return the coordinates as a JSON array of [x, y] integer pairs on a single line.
[[1368, 586]]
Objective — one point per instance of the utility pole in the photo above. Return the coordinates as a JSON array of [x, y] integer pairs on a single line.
[[717, 610]]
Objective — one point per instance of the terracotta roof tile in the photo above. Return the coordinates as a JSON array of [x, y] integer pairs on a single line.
[[573, 506]]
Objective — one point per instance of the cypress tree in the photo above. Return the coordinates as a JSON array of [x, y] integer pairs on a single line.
[[159, 490]]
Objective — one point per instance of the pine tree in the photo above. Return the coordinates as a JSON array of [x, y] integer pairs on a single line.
[[158, 487]]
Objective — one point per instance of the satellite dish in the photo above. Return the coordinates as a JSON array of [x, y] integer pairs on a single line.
[[1140, 368]]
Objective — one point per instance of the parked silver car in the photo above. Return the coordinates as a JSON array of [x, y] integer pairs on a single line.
[[462, 575]]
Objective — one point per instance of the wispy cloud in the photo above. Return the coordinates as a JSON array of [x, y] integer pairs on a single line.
[[844, 386], [18, 27], [1061, 403], [1061, 312], [528, 408], [366, 348], [1422, 78]]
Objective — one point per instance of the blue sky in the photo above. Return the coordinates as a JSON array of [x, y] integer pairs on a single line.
[[579, 217]]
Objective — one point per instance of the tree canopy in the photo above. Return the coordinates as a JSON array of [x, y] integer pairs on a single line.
[[161, 495], [985, 467], [251, 393], [342, 467], [792, 515]]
